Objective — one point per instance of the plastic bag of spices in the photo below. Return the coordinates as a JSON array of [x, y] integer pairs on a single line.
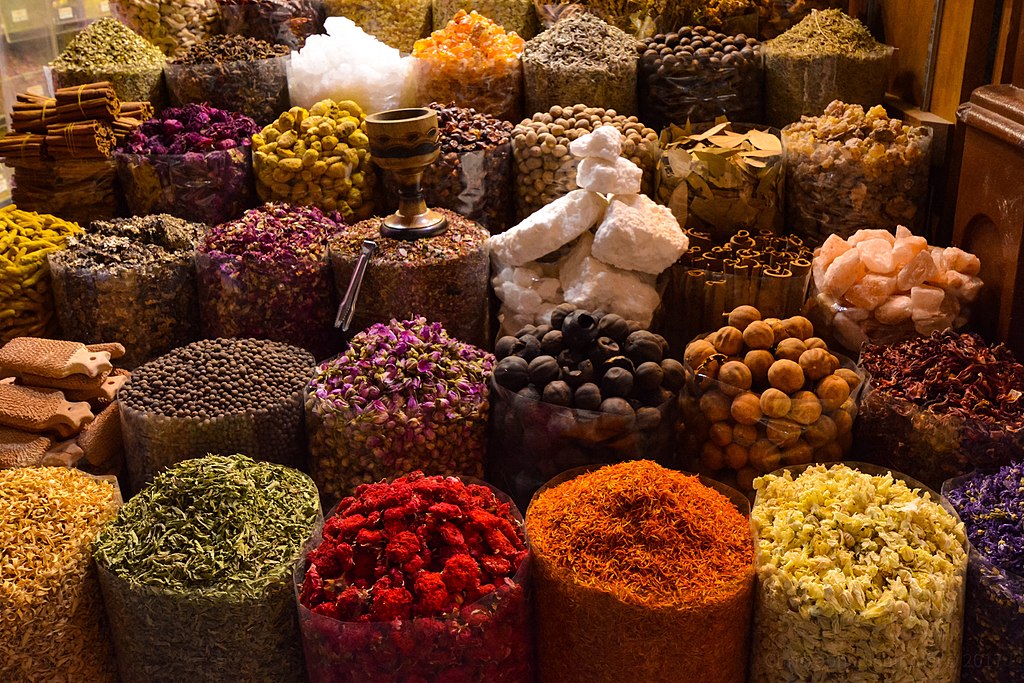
[[283, 22], [990, 505], [399, 23], [54, 625], [215, 396], [705, 75], [786, 399], [891, 613], [132, 280], [242, 74], [171, 25], [775, 17], [227, 612], [614, 605], [461, 607], [941, 406]]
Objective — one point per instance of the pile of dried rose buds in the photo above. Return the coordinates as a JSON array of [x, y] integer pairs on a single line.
[[418, 579]]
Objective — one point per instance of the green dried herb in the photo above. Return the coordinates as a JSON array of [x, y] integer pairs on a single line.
[[196, 572], [828, 32]]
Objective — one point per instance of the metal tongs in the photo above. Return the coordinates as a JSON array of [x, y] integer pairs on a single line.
[[347, 309]]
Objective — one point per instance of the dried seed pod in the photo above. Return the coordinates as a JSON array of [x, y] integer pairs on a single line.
[[833, 392], [715, 405], [649, 376], [512, 372], [559, 314], [783, 432], [816, 343], [530, 348], [746, 408], [758, 361], [507, 346], [758, 335], [850, 376], [579, 329], [799, 327], [744, 435], [805, 407], [588, 397], [741, 316], [543, 369], [764, 455], [736, 456], [790, 349], [775, 403], [821, 431], [779, 330], [552, 343], [604, 348], [786, 376], [697, 352], [557, 393], [643, 347], [617, 382], [613, 326], [815, 363], [721, 433], [735, 377], [674, 374], [843, 420], [727, 340]]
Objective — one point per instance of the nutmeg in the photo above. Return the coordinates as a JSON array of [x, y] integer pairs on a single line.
[[764, 455], [786, 375], [775, 403], [790, 349], [744, 435], [805, 407], [821, 431], [833, 392], [799, 327], [727, 340], [758, 361], [734, 377], [850, 376], [715, 406], [735, 456], [816, 343], [815, 363], [783, 432], [800, 453], [741, 316], [746, 408], [758, 335], [697, 352], [721, 433]]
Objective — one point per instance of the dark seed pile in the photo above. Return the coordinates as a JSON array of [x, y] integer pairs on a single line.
[[231, 48], [216, 396]]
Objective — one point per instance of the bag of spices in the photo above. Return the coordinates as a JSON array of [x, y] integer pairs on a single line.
[[172, 25], [941, 406], [442, 278], [637, 569], [266, 275], [473, 175], [883, 288], [281, 22], [991, 506], [544, 168], [472, 63], [721, 178], [827, 56], [403, 396], [423, 578], [851, 169], [767, 271], [586, 389], [26, 303], [859, 570], [197, 568], [319, 157], [215, 396], [581, 59], [785, 400], [193, 162], [399, 23], [242, 74], [512, 15], [775, 17], [133, 280], [107, 50], [702, 76], [54, 625]]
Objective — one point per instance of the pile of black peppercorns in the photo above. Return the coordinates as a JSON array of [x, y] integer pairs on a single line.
[[219, 396], [590, 361], [696, 74]]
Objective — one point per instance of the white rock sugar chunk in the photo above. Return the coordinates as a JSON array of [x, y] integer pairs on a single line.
[[894, 310], [604, 143], [549, 228], [589, 283], [639, 234], [621, 176]]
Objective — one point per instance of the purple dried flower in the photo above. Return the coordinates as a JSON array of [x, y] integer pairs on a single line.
[[192, 128]]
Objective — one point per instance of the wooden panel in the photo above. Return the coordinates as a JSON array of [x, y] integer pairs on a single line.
[[964, 42], [908, 27]]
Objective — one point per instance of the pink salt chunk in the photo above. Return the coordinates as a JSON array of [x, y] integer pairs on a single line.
[[965, 287], [871, 291], [920, 268], [876, 254], [903, 231], [906, 248], [831, 249], [843, 273], [937, 323], [894, 310], [872, 234], [959, 260], [926, 301]]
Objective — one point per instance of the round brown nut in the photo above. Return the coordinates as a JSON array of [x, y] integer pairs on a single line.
[[735, 456], [850, 376], [758, 335], [744, 435], [758, 361], [764, 455], [741, 316], [727, 340], [734, 377], [697, 352], [715, 406], [721, 433], [800, 453], [830, 452], [790, 349], [783, 432], [833, 392], [806, 408], [821, 431], [815, 363], [816, 343], [843, 420], [712, 457], [775, 403], [786, 375], [779, 330], [799, 327], [746, 409]]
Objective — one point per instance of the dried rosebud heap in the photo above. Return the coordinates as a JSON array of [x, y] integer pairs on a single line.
[[427, 572], [404, 396]]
